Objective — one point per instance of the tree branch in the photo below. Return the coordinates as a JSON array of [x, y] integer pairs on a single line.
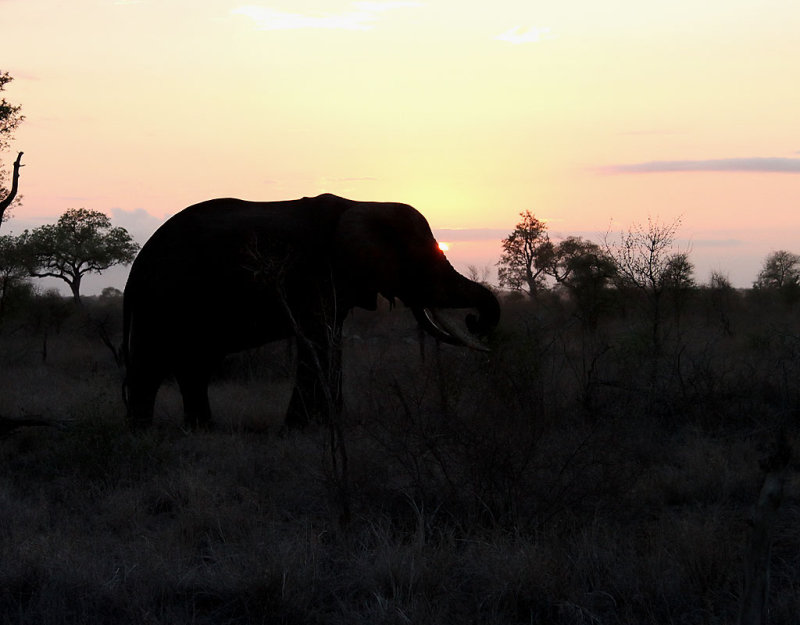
[[4, 204], [48, 274]]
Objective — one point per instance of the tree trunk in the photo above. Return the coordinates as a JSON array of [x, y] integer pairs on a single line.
[[75, 287], [5, 203]]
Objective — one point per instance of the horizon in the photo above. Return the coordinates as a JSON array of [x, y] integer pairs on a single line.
[[593, 117]]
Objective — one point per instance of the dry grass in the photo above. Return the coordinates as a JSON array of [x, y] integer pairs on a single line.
[[569, 477]]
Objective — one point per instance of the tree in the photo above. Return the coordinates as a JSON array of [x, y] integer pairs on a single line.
[[643, 256], [480, 275], [645, 262], [679, 281], [527, 255], [576, 261], [722, 296], [10, 118], [781, 275], [719, 281], [781, 270], [82, 241], [12, 269], [679, 273], [11, 195], [585, 270]]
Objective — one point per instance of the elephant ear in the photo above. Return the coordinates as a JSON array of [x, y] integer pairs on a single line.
[[365, 254]]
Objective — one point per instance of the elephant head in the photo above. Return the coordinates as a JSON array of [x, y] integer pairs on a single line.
[[388, 249]]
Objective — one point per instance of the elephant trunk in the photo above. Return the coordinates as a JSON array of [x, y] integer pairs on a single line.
[[462, 293], [488, 312]]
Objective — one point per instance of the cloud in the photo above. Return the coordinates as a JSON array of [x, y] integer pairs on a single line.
[[362, 16], [518, 35], [764, 165], [138, 222]]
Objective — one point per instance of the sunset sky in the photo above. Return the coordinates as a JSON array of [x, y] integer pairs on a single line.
[[592, 114]]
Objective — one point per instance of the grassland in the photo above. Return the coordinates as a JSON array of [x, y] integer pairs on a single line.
[[576, 474]]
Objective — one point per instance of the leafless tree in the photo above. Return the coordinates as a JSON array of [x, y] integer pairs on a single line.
[[479, 274], [10, 118], [8, 200], [646, 261]]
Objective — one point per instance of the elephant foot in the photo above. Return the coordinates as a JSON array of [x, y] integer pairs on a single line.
[[208, 426], [139, 419], [139, 425]]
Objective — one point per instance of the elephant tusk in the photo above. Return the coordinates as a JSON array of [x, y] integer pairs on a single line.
[[452, 329], [427, 323]]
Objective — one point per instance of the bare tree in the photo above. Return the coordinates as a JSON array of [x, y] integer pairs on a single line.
[[10, 118], [481, 275], [8, 200], [646, 262]]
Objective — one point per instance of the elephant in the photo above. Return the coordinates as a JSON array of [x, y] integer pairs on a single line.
[[226, 275]]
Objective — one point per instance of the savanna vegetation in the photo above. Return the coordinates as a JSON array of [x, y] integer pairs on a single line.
[[578, 473]]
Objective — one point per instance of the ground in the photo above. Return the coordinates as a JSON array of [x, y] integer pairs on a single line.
[[575, 474]]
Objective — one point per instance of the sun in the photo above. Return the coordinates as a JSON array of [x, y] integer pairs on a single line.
[[444, 246]]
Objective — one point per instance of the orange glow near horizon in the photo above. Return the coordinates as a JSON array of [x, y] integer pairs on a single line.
[[593, 114]]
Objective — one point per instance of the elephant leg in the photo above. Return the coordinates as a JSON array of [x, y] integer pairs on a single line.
[[141, 387], [193, 383], [317, 394]]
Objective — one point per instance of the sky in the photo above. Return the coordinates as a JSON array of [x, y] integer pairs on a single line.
[[592, 114]]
